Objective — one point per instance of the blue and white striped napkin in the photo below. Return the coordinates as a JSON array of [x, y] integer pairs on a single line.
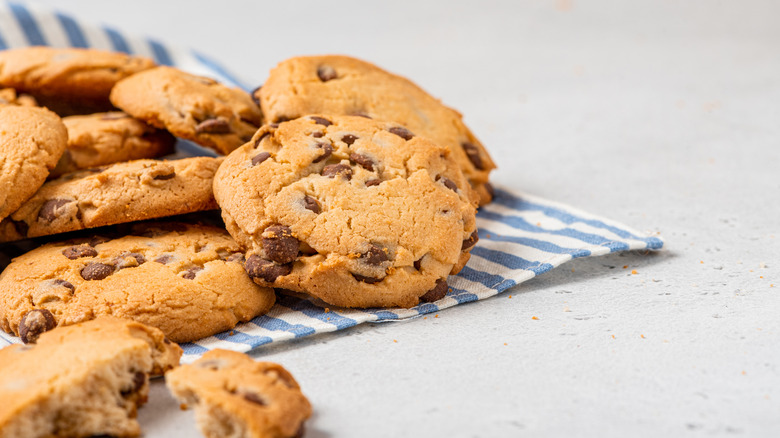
[[521, 236]]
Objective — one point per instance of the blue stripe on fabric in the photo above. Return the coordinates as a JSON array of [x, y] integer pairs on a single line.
[[190, 348], [117, 41], [493, 281], [160, 53], [427, 308], [28, 24], [213, 65], [533, 243], [462, 296], [511, 261], [312, 311], [73, 31], [242, 338], [509, 200], [3, 44], [276, 324]]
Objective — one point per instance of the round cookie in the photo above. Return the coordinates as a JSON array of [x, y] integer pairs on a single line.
[[9, 96], [237, 397], [106, 138], [68, 80], [344, 85], [120, 193], [31, 142], [82, 380], [356, 212], [191, 107], [186, 280]]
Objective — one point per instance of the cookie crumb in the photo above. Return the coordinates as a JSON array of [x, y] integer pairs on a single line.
[[535, 318], [634, 272]]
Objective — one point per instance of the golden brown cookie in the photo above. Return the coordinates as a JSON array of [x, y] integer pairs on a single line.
[[192, 107], [82, 380], [186, 280], [344, 85], [68, 80], [31, 142], [356, 212], [120, 193], [234, 396], [9, 96], [105, 138]]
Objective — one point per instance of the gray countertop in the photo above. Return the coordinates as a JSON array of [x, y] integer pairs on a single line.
[[662, 115]]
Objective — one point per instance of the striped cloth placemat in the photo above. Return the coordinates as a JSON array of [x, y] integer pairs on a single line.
[[521, 236]]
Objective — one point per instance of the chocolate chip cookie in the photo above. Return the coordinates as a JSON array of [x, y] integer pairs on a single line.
[[344, 85], [120, 193], [105, 138], [192, 107], [186, 280], [31, 142], [68, 80], [237, 397], [82, 380], [9, 96], [356, 212]]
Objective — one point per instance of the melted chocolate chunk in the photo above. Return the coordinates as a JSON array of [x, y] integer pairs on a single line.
[[401, 132], [364, 161], [254, 398], [259, 158], [349, 139], [65, 284], [449, 184], [369, 280], [279, 244], [267, 270], [78, 251], [164, 259], [51, 209], [321, 120], [165, 177], [311, 204], [438, 292], [473, 153], [190, 274], [375, 256], [326, 73], [262, 136], [471, 241], [34, 323], [213, 126], [373, 182], [96, 271], [327, 149], [334, 170]]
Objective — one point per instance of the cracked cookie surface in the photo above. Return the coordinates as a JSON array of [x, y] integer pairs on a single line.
[[120, 193], [356, 212], [82, 380], [68, 80], [106, 138], [238, 397], [344, 85], [32, 140], [192, 107], [186, 280]]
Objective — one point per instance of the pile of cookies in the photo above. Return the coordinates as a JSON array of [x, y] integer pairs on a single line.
[[335, 179]]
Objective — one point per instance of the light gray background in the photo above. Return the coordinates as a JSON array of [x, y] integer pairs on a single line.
[[660, 114]]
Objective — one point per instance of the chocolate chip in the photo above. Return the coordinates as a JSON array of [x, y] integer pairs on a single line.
[[276, 125], [256, 94], [279, 244], [311, 204], [254, 398], [164, 259], [259, 158], [21, 227], [333, 170], [438, 292], [364, 161], [327, 149], [326, 73], [473, 153], [321, 120], [50, 209], [164, 177], [369, 280], [418, 264], [190, 274], [401, 132], [267, 270], [78, 251], [491, 191], [97, 240], [373, 182], [375, 255], [213, 126], [96, 271], [262, 136], [65, 284], [349, 139], [34, 323], [364, 115], [317, 134], [449, 184], [129, 260], [139, 379], [471, 241]]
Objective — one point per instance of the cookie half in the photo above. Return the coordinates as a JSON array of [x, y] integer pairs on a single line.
[[106, 138], [116, 194], [234, 396], [344, 85], [357, 212], [68, 80], [192, 107], [186, 280], [32, 140], [83, 380]]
